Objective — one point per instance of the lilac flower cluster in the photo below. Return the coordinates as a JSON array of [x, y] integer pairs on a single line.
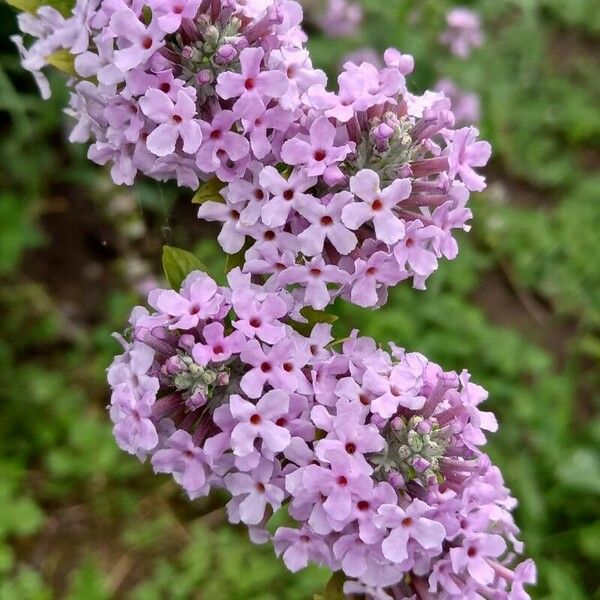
[[177, 89], [327, 193], [336, 18], [376, 454], [464, 31], [365, 192]]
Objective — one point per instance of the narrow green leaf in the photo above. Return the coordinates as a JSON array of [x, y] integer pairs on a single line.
[[334, 589], [29, 6], [237, 259], [313, 317], [209, 191], [64, 61], [317, 316], [63, 6], [178, 264]]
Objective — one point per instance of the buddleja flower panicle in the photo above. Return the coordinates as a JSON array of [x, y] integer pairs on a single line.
[[378, 455]]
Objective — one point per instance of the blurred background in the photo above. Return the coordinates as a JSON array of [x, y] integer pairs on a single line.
[[520, 308]]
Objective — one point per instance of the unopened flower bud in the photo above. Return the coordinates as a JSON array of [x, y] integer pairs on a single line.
[[396, 480], [223, 378], [225, 54], [173, 365], [397, 424], [404, 171], [423, 427], [419, 464], [204, 77], [195, 401], [187, 341], [382, 135]]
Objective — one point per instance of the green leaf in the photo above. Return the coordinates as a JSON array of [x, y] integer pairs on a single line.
[[178, 264], [63, 6], [209, 191], [318, 316], [64, 61], [334, 589], [313, 317], [237, 259]]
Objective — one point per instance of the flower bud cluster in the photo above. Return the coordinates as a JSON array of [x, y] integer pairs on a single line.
[[377, 456]]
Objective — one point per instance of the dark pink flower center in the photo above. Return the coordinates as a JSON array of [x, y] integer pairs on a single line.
[[255, 419], [320, 155]]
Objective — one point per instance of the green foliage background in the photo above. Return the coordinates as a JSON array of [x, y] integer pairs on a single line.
[[520, 308]]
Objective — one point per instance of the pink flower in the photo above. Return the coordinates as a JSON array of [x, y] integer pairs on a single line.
[[222, 148], [408, 524], [185, 460], [272, 366], [172, 12], [231, 238], [260, 121], [198, 302], [315, 275], [325, 223], [259, 318], [248, 196], [317, 153], [414, 251], [339, 483], [464, 154], [347, 432], [257, 421], [133, 430], [471, 556], [252, 493], [299, 547], [399, 388], [137, 42], [463, 33], [286, 193], [371, 276], [251, 84], [176, 120], [218, 346], [377, 206]]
